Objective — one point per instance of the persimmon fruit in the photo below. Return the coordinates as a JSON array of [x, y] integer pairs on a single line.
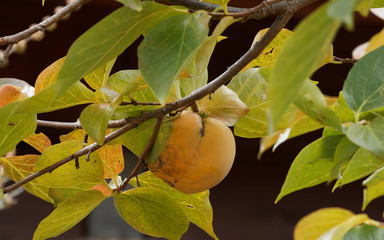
[[198, 155]]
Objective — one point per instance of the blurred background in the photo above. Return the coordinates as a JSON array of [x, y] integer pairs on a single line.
[[243, 203]]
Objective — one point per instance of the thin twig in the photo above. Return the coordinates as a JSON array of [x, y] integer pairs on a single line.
[[136, 103], [143, 155], [42, 25], [345, 60], [251, 54]]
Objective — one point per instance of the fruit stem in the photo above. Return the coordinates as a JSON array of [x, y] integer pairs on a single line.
[[194, 107]]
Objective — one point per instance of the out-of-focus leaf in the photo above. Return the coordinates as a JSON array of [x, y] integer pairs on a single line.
[[364, 85], [68, 213], [370, 136], [45, 99], [364, 231], [152, 212], [312, 166], [108, 39], [196, 206], [342, 110], [224, 104], [167, 49], [315, 224], [39, 141], [361, 165], [343, 10], [374, 187], [19, 167], [290, 71], [378, 4], [251, 89], [376, 41], [337, 232]]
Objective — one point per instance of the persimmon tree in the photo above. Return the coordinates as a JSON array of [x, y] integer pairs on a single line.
[[267, 93]]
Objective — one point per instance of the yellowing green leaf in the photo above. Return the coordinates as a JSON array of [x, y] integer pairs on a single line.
[[338, 232], [68, 213], [14, 127], [222, 3], [168, 48], [224, 104], [89, 173], [19, 167], [152, 212], [98, 77], [269, 55], [376, 41], [196, 206], [315, 224], [160, 142]]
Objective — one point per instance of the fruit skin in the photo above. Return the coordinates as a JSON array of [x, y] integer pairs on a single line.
[[198, 155]]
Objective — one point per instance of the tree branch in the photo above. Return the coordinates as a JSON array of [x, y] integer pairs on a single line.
[[42, 25], [143, 155], [253, 13], [225, 77]]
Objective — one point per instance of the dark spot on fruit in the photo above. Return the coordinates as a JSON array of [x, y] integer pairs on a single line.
[[189, 206]]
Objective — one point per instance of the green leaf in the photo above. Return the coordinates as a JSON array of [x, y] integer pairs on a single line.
[[370, 136], [362, 164], [19, 167], [136, 139], [343, 10], [363, 88], [196, 206], [108, 39], [251, 89], [167, 49], [68, 213], [312, 102], [344, 151], [45, 100], [98, 77], [89, 173], [14, 127], [312, 166], [374, 187], [95, 118], [132, 4], [366, 232], [313, 225], [160, 142], [224, 104], [337, 232], [295, 63], [152, 212]]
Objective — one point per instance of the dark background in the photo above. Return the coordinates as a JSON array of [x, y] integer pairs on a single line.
[[243, 203]]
